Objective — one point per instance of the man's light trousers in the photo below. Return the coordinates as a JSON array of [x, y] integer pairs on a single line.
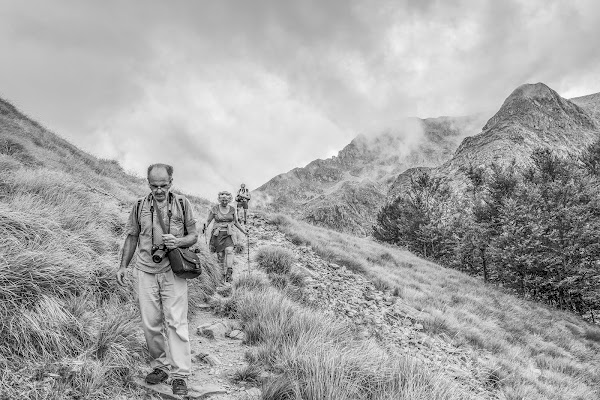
[[163, 300]]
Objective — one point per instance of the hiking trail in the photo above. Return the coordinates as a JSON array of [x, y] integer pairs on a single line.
[[338, 292]]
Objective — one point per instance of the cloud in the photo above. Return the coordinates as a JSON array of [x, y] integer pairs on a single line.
[[218, 127], [235, 90]]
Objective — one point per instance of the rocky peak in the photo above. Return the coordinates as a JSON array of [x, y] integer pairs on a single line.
[[345, 192], [352, 151], [533, 116], [538, 107]]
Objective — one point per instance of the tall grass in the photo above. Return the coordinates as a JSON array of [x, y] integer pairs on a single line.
[[540, 353], [309, 356], [60, 310], [67, 328], [274, 260]]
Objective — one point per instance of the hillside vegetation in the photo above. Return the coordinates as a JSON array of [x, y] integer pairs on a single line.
[[67, 330], [531, 351], [535, 231]]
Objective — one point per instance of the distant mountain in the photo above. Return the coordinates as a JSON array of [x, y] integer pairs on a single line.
[[591, 104], [345, 192], [533, 116]]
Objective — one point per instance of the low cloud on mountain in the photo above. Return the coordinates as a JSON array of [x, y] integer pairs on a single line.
[[247, 90]]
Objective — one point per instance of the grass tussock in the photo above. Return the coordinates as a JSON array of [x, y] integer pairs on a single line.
[[516, 333], [251, 373], [275, 260], [63, 315], [312, 357]]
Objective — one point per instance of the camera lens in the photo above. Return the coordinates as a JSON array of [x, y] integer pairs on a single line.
[[158, 255]]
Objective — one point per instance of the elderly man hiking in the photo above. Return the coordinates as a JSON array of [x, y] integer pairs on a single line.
[[163, 296]]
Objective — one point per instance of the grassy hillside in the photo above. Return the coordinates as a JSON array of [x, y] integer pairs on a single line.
[[67, 330], [533, 351], [307, 355]]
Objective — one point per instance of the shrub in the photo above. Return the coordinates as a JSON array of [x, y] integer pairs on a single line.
[[592, 334], [278, 219], [297, 279], [398, 292], [274, 259], [279, 281], [297, 239], [250, 282], [223, 306], [381, 285], [251, 373]]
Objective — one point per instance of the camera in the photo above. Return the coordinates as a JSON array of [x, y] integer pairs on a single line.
[[158, 252]]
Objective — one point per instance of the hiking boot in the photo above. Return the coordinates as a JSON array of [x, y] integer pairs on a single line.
[[179, 387], [156, 376], [229, 275]]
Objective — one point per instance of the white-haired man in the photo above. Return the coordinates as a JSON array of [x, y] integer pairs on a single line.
[[162, 295]]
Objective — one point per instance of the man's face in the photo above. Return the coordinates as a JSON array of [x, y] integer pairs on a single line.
[[160, 183], [243, 186]]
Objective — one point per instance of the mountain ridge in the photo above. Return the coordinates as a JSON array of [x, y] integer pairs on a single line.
[[346, 191], [323, 191], [533, 116]]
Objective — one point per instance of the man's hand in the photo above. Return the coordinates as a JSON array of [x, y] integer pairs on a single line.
[[121, 274], [170, 241]]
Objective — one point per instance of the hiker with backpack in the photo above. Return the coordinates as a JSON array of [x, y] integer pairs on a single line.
[[221, 238], [242, 199], [162, 295]]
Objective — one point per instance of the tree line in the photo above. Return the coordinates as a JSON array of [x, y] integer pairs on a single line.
[[533, 230]]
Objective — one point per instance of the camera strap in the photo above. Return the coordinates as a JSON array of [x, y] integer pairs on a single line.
[[160, 216]]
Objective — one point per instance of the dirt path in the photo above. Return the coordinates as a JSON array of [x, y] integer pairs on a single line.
[[216, 359]]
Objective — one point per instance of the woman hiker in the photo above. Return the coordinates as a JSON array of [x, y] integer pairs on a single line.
[[221, 237]]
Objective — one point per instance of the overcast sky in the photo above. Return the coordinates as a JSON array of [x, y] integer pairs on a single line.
[[232, 91]]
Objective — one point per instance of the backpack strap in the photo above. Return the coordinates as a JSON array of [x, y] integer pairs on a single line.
[[138, 210], [185, 232]]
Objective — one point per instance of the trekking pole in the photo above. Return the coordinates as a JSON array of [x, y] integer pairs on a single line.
[[248, 248]]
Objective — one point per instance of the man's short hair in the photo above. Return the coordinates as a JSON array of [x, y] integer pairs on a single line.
[[167, 167]]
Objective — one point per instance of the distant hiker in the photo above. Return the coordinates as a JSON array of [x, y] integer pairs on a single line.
[[163, 296], [242, 199], [221, 237]]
